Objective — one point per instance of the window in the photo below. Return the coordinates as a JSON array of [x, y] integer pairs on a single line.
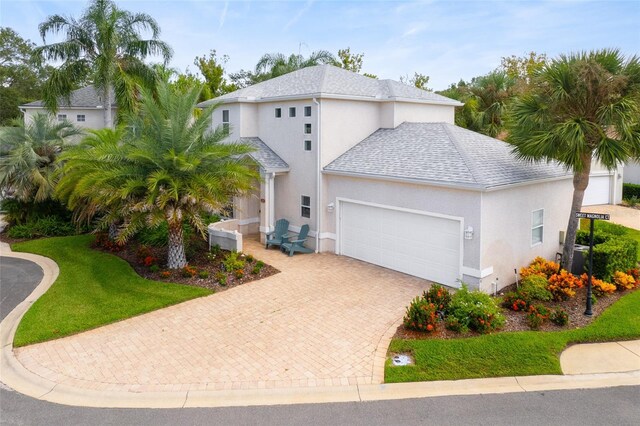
[[307, 128], [62, 117], [537, 226], [278, 112], [307, 145], [307, 111], [305, 205], [225, 120], [80, 117], [292, 112]]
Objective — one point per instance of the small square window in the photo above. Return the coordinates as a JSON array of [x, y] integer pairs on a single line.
[[537, 227], [305, 204], [307, 128], [307, 145], [225, 115], [80, 117], [307, 111], [292, 112], [62, 117], [278, 112]]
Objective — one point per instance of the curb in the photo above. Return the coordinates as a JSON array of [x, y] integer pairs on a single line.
[[16, 376]]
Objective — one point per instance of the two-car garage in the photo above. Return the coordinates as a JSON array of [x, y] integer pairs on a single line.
[[418, 243]]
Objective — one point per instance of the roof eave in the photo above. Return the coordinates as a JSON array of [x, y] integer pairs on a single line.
[[426, 182], [321, 95]]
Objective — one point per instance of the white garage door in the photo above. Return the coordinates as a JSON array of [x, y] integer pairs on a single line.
[[597, 192], [417, 244]]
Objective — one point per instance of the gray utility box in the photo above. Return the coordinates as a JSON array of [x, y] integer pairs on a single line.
[[580, 254]]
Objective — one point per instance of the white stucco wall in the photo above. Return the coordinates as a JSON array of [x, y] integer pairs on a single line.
[[94, 117], [432, 199], [632, 172], [506, 227], [422, 113]]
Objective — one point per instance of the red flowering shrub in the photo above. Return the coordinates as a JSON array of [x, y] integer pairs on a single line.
[[439, 296], [421, 315], [165, 274], [149, 260], [188, 271], [514, 301], [104, 242], [537, 315]]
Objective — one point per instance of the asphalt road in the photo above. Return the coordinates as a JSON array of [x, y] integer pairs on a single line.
[[612, 406]]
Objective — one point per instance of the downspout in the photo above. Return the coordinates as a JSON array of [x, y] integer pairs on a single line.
[[318, 179]]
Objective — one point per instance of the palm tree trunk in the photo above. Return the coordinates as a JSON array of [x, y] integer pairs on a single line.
[[176, 256], [106, 106], [113, 231], [580, 183]]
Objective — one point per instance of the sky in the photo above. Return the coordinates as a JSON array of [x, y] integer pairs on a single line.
[[446, 40]]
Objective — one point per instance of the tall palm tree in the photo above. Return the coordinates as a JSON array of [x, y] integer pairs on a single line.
[[28, 157], [103, 47], [168, 168], [582, 106], [490, 96], [276, 64]]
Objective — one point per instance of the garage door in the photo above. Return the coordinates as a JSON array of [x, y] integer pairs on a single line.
[[417, 244], [598, 191]]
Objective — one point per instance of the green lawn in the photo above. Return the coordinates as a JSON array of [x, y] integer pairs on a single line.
[[510, 354], [93, 289]]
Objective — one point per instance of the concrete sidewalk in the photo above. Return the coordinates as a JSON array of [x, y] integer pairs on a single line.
[[585, 366]]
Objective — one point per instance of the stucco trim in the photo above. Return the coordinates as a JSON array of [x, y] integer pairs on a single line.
[[477, 273], [248, 221], [320, 95]]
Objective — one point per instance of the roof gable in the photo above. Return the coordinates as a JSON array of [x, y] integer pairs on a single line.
[[329, 81], [440, 153], [85, 97]]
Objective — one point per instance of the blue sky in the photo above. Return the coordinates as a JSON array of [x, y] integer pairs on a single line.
[[447, 40]]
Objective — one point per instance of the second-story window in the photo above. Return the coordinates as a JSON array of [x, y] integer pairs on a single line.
[[80, 117], [305, 206], [292, 112], [62, 117], [225, 120], [307, 128], [307, 111], [278, 112]]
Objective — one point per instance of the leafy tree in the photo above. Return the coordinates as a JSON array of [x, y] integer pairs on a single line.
[[105, 47], [349, 61], [418, 80], [581, 106], [522, 68], [21, 77], [212, 69], [168, 168], [273, 65], [28, 157]]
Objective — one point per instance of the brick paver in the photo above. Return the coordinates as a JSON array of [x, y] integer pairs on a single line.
[[325, 320]]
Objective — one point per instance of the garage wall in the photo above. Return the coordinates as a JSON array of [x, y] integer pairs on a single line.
[[506, 227], [445, 201], [632, 172]]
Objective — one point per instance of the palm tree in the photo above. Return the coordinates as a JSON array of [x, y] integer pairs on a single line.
[[28, 157], [490, 96], [103, 47], [168, 168], [276, 64], [582, 106]]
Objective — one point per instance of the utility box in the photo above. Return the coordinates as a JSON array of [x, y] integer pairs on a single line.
[[580, 254]]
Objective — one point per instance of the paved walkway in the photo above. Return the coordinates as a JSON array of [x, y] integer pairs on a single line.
[[325, 320], [621, 215]]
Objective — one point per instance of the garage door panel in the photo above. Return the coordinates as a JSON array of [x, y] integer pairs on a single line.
[[417, 244], [597, 191]]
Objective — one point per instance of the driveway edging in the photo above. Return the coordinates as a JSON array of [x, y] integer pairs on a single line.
[[16, 376]]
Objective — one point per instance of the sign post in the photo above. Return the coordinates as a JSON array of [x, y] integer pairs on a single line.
[[592, 218]]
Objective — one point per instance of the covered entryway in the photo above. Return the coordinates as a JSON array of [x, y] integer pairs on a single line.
[[417, 243]]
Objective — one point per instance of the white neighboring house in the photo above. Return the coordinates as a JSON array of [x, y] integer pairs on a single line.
[[605, 186], [632, 172], [381, 174], [85, 109]]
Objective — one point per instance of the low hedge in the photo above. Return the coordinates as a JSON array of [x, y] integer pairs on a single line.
[[611, 253], [630, 190]]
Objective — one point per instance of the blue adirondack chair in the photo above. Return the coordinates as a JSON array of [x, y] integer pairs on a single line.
[[297, 245], [279, 234]]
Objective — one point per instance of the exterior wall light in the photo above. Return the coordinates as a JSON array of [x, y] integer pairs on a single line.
[[468, 233], [330, 207]]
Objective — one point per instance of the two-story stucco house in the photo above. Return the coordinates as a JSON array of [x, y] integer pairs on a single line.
[[381, 174]]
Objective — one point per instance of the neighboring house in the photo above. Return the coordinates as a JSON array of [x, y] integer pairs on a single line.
[[381, 174], [632, 172], [605, 186], [85, 109]]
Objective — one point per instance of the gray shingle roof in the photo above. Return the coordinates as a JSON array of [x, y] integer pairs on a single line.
[[327, 81], [265, 156], [84, 97], [440, 153]]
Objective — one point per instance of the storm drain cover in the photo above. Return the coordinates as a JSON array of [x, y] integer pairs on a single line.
[[402, 359]]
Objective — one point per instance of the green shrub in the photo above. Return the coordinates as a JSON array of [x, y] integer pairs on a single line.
[[233, 262], [630, 190], [214, 252], [559, 317], [537, 315], [534, 287], [616, 254], [221, 278], [260, 263], [513, 300], [256, 269], [475, 310], [203, 275], [159, 235], [421, 315], [154, 268], [454, 324], [439, 296], [20, 212], [50, 226], [249, 258], [633, 201]]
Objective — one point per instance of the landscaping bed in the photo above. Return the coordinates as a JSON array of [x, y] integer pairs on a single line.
[[205, 269]]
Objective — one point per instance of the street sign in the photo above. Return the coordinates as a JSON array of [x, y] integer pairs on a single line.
[[599, 216]]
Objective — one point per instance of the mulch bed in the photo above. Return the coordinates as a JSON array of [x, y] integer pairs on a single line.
[[197, 256], [517, 321]]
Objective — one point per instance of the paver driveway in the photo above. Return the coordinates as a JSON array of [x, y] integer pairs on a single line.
[[324, 320]]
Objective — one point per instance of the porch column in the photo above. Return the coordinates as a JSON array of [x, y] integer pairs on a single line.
[[268, 204], [272, 201]]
